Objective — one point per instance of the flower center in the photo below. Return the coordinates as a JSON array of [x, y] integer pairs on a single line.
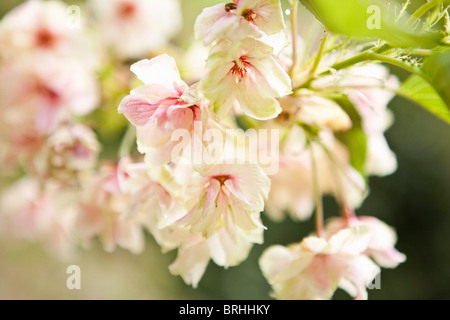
[[45, 39], [127, 10], [240, 68], [222, 179], [238, 72], [48, 93], [249, 15]]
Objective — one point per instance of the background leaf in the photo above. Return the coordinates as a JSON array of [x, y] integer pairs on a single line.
[[437, 67], [354, 139], [350, 17], [418, 90]]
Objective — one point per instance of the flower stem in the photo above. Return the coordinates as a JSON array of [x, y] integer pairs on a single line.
[[319, 55], [369, 55]]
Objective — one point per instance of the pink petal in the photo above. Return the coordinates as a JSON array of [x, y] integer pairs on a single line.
[[182, 118], [137, 110], [211, 196]]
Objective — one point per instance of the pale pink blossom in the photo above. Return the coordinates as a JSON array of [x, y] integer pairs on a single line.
[[19, 147], [230, 195], [103, 204], [382, 239], [247, 73], [135, 28], [45, 93], [151, 203], [159, 196], [38, 28], [323, 113], [224, 248], [336, 175], [370, 88], [316, 267], [70, 150], [164, 104], [293, 185], [239, 19], [40, 212], [292, 189]]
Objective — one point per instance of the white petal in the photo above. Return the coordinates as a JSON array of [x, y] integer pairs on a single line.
[[361, 273], [227, 252], [269, 14], [254, 103], [191, 263], [269, 71], [352, 241], [161, 70], [274, 260], [381, 161]]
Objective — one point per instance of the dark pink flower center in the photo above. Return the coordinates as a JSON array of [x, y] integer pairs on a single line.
[[45, 39], [240, 68], [127, 10], [222, 179], [48, 93], [249, 15]]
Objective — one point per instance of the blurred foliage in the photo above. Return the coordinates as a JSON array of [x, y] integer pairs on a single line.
[[351, 19], [416, 200]]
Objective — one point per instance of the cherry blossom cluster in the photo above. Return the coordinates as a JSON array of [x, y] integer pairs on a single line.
[[51, 69], [259, 74], [214, 210]]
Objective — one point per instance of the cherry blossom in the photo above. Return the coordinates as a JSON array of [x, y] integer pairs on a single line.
[[41, 28], [165, 103], [103, 204], [45, 214], [239, 19], [230, 195], [71, 150], [316, 267], [292, 189], [185, 171], [134, 28], [247, 73], [160, 196], [44, 93], [382, 241], [224, 248], [369, 88]]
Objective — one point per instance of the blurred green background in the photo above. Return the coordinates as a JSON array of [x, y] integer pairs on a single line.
[[416, 200]]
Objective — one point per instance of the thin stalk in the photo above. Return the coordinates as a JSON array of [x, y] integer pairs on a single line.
[[295, 47], [369, 55], [319, 54]]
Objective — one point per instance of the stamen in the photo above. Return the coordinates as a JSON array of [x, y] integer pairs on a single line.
[[249, 15], [222, 179], [239, 70]]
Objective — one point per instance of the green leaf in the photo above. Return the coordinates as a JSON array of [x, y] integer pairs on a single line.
[[437, 68], [420, 91], [354, 139], [370, 19]]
